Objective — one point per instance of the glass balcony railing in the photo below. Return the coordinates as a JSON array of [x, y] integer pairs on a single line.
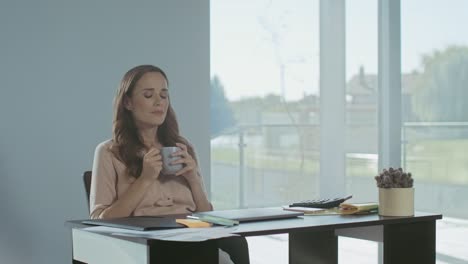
[[267, 165]]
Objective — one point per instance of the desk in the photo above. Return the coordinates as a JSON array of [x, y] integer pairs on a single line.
[[312, 239]]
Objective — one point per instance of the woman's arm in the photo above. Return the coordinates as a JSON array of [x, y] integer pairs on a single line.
[[128, 201], [103, 194], [199, 194], [193, 177]]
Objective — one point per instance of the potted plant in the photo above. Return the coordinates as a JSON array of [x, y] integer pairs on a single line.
[[396, 192]]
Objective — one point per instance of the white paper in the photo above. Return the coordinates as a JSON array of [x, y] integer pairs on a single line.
[[177, 234]]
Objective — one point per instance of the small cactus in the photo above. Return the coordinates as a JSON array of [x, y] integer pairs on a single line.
[[394, 178]]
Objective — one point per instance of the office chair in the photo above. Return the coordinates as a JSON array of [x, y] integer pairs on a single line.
[[87, 184], [236, 247]]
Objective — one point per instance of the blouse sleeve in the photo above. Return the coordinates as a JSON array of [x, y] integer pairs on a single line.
[[103, 181]]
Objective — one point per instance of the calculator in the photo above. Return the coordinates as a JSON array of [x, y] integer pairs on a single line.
[[321, 203]]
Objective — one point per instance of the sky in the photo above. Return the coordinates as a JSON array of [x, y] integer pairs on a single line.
[[252, 40]]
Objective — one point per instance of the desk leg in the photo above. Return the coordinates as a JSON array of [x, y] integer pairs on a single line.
[[183, 252], [410, 243], [313, 247], [73, 260]]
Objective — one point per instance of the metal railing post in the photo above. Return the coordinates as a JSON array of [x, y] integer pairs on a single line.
[[242, 190], [404, 142]]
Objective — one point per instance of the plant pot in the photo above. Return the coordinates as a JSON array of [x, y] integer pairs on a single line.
[[396, 201]]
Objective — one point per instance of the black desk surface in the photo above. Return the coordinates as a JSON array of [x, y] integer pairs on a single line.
[[310, 223]]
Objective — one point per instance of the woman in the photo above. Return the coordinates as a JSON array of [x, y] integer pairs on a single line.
[[126, 171]]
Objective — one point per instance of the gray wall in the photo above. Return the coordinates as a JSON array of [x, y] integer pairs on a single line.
[[60, 63]]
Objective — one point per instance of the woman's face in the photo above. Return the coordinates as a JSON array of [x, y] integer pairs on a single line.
[[149, 100]]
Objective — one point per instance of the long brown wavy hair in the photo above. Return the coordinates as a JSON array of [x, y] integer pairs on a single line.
[[126, 141]]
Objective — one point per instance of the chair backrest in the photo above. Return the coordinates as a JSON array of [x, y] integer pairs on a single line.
[[87, 184]]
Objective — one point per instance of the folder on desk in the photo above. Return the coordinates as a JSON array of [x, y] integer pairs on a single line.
[[137, 223]]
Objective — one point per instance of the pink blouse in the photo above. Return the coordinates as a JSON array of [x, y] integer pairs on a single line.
[[167, 195]]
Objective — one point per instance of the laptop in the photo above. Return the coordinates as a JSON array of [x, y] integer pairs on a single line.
[[140, 223], [252, 214]]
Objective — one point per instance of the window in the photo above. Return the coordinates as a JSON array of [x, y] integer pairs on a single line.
[[267, 106], [362, 98], [264, 66], [435, 115]]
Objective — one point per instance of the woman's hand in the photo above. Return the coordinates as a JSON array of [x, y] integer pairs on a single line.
[[190, 169], [152, 164]]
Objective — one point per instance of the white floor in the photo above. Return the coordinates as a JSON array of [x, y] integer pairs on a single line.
[[451, 245]]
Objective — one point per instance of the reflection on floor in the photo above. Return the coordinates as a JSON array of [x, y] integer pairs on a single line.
[[452, 238]]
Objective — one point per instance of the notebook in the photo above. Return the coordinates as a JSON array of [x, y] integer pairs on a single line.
[[252, 214], [137, 223]]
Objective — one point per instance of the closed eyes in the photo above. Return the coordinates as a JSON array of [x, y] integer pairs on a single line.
[[164, 94], [148, 93]]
